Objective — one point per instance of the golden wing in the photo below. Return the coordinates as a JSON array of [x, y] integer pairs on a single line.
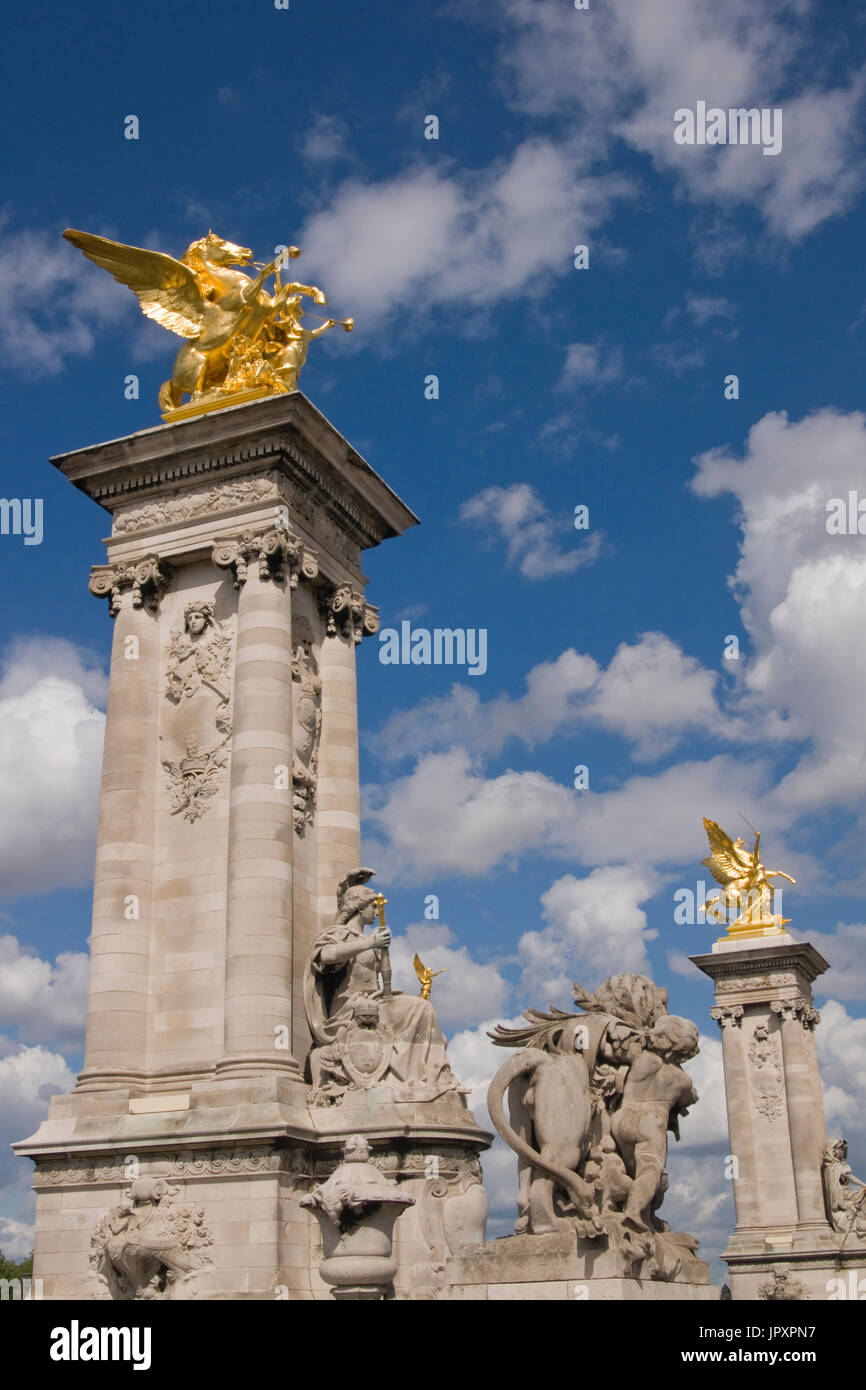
[[167, 289], [419, 969], [725, 863]]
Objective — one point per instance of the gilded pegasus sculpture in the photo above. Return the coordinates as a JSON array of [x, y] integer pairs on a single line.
[[241, 341], [746, 883]]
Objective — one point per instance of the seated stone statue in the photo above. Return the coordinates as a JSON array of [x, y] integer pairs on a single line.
[[845, 1195], [366, 1036], [592, 1098]]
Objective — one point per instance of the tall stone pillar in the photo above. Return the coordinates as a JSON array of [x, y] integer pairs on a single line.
[[783, 1239], [259, 936], [118, 1009], [230, 811]]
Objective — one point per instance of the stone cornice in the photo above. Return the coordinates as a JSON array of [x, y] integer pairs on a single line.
[[799, 956], [284, 432]]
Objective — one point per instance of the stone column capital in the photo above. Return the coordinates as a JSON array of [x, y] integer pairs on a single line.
[[146, 578], [277, 551], [727, 1015], [347, 613], [800, 1008]]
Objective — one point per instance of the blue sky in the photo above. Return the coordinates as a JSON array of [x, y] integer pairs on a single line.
[[557, 387]]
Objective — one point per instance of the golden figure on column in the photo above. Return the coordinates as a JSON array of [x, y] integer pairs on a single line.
[[745, 880], [242, 342]]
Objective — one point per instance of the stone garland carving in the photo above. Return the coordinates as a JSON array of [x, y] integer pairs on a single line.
[[307, 724], [199, 1164], [765, 1076], [591, 1097], [727, 1015], [845, 1195], [348, 613], [787, 1009], [194, 502], [275, 551], [775, 981], [150, 1247], [146, 578], [782, 1288]]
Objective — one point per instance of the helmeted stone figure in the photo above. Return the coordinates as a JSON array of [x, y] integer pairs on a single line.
[[365, 1034]]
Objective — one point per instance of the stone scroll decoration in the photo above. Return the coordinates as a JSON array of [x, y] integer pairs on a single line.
[[306, 725], [199, 662], [347, 613], [591, 1099], [277, 552], [147, 579], [150, 1246]]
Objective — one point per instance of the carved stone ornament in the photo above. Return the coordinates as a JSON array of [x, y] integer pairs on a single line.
[[206, 1163], [766, 1081], [356, 1209], [776, 980], [782, 1288], [150, 1247], [146, 578], [195, 778], [727, 1015], [195, 502], [276, 551], [199, 658], [347, 613], [787, 1009], [307, 724]]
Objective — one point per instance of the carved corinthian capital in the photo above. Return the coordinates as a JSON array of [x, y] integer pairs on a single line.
[[727, 1015], [146, 578], [348, 613], [796, 1008], [277, 552]]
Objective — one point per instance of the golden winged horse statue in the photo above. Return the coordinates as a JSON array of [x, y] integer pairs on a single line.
[[745, 880], [240, 341]]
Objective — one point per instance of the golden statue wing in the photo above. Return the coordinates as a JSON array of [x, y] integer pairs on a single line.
[[419, 969], [167, 289], [724, 863]]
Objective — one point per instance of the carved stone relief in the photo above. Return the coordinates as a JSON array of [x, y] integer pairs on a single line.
[[766, 1079], [194, 779], [307, 723], [150, 1246], [199, 662], [197, 501], [727, 1015]]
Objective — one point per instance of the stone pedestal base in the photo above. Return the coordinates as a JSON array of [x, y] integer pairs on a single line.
[[817, 1275], [225, 1163], [560, 1267]]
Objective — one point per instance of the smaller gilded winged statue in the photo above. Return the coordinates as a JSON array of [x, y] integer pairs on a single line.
[[746, 883], [425, 975], [240, 340]]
